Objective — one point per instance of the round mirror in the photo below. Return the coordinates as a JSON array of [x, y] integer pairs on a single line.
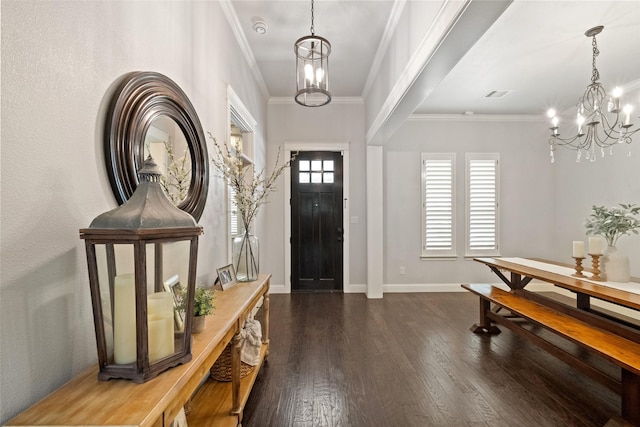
[[150, 114]]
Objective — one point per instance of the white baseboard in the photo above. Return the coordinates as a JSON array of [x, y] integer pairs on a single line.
[[355, 289], [351, 289], [454, 287], [277, 289], [419, 287]]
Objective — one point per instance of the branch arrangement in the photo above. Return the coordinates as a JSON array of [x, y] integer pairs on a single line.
[[251, 188]]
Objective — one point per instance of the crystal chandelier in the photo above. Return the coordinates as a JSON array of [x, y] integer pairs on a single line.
[[312, 69], [601, 121]]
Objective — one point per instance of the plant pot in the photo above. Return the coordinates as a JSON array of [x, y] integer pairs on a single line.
[[199, 324], [616, 266]]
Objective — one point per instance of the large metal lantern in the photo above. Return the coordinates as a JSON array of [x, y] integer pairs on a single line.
[[142, 259]]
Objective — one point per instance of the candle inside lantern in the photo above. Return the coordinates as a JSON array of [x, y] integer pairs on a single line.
[[578, 249], [595, 246], [124, 319], [160, 322]]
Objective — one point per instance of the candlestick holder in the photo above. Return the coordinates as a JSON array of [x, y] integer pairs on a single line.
[[578, 267], [595, 264]]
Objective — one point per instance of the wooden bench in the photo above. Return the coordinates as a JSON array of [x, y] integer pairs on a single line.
[[619, 350]]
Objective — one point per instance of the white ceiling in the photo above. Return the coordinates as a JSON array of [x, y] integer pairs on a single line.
[[535, 49]]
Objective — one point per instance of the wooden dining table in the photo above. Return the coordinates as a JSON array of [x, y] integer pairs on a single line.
[[517, 273], [615, 322]]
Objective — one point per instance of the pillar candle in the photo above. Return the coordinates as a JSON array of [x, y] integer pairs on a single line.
[[124, 319], [160, 323], [595, 246], [578, 249]]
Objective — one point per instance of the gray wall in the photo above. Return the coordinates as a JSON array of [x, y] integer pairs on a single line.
[[59, 62], [526, 194], [338, 122]]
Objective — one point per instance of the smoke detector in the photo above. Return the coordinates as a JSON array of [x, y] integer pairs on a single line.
[[259, 26]]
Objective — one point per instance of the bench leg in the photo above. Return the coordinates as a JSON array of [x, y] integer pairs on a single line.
[[485, 326], [631, 397]]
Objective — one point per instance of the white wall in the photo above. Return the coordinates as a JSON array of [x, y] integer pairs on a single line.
[[526, 186], [337, 122], [60, 60]]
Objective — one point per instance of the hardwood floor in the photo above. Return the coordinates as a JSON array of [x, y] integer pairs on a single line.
[[410, 360]]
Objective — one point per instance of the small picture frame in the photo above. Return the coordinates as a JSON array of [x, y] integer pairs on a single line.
[[173, 285], [227, 276]]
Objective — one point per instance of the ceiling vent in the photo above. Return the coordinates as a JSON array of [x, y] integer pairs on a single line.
[[497, 93]]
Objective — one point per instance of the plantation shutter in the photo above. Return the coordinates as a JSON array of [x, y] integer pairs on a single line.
[[438, 171], [233, 213], [482, 204]]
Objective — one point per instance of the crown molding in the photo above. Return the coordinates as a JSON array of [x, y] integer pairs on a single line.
[[387, 36], [236, 28], [475, 118], [449, 13]]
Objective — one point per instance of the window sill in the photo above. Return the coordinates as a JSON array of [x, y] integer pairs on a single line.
[[439, 257]]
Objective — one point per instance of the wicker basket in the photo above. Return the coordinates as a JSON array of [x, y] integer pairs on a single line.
[[221, 370]]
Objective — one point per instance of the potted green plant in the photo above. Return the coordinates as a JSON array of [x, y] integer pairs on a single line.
[[203, 305], [613, 223]]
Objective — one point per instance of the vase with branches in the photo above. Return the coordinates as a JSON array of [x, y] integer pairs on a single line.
[[250, 189]]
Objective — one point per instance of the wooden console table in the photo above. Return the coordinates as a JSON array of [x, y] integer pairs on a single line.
[[87, 401]]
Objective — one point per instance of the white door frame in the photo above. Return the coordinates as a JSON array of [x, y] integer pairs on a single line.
[[290, 147]]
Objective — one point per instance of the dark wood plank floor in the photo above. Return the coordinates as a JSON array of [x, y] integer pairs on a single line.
[[410, 360]]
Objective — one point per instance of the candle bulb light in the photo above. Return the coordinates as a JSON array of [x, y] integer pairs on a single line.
[[627, 114]]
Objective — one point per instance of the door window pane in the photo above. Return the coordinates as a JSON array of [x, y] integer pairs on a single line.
[[316, 165], [304, 165], [304, 177], [328, 177], [327, 165], [316, 177]]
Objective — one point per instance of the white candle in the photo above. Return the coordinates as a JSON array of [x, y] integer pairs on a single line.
[[124, 319], [578, 249], [160, 325], [595, 246]]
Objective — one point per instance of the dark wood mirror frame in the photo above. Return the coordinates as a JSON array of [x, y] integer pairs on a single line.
[[137, 102]]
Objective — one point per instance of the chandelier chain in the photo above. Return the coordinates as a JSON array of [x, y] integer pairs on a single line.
[[595, 74], [312, 32]]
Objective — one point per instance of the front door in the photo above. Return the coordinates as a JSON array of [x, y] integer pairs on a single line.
[[317, 230]]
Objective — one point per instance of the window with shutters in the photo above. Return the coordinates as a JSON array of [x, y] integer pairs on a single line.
[[482, 204], [438, 210], [234, 219]]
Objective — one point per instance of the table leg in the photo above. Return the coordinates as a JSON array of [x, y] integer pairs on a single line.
[[235, 373], [485, 326], [583, 301], [265, 337]]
